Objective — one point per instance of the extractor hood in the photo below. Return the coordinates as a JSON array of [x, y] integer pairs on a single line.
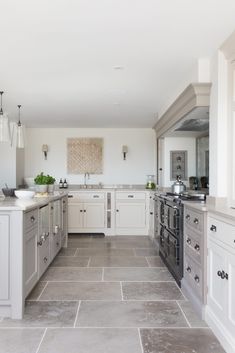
[[188, 115]]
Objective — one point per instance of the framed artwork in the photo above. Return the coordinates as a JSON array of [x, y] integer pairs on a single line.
[[85, 155], [178, 164]]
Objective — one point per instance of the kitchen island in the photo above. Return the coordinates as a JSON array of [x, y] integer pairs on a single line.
[[31, 234]]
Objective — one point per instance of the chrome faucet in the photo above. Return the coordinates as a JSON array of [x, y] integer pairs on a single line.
[[86, 177]]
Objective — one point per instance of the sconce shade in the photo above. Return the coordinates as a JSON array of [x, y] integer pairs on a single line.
[[4, 128], [124, 149]]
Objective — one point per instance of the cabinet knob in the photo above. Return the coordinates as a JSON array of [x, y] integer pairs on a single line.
[[117, 210], [223, 275], [188, 217], [188, 240], [196, 279], [196, 221], [32, 218], [84, 211], [39, 243], [188, 269], [213, 228], [81, 210], [219, 273], [197, 247], [45, 259], [151, 213], [57, 243]]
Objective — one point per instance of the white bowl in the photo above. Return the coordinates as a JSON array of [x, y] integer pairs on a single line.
[[24, 194]]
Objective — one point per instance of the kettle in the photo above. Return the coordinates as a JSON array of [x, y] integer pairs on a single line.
[[178, 187]]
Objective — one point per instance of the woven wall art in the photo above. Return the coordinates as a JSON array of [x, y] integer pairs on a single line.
[[85, 155]]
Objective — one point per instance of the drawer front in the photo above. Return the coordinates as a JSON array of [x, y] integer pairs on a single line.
[[31, 219], [81, 196], [193, 275], [193, 246], [130, 196], [194, 219], [222, 231]]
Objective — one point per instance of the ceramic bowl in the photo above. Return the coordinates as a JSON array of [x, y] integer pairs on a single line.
[[24, 194]]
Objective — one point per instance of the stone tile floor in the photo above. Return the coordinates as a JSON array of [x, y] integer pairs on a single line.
[[107, 295]]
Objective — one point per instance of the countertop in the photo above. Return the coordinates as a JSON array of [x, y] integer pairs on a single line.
[[15, 204]]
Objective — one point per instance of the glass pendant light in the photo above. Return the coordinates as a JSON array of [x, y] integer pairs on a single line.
[[19, 133], [4, 124]]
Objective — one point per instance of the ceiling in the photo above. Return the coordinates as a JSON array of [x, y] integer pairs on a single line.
[[103, 63]]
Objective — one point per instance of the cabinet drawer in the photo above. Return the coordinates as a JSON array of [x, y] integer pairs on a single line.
[[30, 219], [193, 275], [130, 195], [222, 231], [194, 219], [81, 196], [193, 246]]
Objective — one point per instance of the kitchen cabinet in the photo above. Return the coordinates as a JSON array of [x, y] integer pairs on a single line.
[[55, 228], [151, 214], [30, 250], [131, 213], [64, 217], [221, 280], [4, 257], [43, 240], [86, 212], [194, 281]]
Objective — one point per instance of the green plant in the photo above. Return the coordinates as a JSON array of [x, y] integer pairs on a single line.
[[42, 179], [50, 179]]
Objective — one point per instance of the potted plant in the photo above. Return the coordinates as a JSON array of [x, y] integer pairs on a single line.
[[50, 183], [41, 182]]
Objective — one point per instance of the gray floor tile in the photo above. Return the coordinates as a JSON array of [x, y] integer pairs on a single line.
[[179, 341], [82, 291], [137, 274], [191, 315], [91, 341], [67, 252], [64, 261], [20, 340], [151, 291], [104, 252], [130, 238], [45, 314], [146, 252], [37, 290], [155, 261], [118, 261], [121, 244], [72, 274], [92, 244], [130, 314]]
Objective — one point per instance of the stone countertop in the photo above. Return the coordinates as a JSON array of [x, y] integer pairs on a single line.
[[117, 187], [15, 204]]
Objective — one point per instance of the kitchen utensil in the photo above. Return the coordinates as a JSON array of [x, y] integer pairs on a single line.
[[178, 187], [8, 191]]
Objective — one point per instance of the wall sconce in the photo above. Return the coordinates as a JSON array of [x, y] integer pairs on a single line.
[[124, 151], [45, 150]]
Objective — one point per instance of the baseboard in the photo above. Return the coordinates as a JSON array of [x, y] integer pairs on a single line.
[[224, 337]]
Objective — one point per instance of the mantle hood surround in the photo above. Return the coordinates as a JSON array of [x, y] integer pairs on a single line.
[[192, 104]]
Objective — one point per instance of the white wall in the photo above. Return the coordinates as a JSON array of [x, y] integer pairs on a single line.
[[140, 160], [175, 144], [7, 165]]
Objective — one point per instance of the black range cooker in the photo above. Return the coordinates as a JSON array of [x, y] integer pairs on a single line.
[[170, 230]]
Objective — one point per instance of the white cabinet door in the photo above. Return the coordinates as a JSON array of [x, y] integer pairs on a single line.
[[130, 215], [75, 216], [94, 215], [4, 257], [231, 292], [30, 260], [217, 295]]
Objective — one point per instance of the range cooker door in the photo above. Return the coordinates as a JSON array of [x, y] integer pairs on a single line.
[[163, 242], [173, 218]]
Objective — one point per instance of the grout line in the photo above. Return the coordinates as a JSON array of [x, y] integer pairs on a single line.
[[183, 314], [146, 258], [89, 261], [76, 317], [141, 345], [102, 279], [42, 291], [41, 340], [121, 291], [75, 254]]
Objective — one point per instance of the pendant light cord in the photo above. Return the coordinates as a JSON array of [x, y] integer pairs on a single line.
[[19, 122], [1, 111]]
